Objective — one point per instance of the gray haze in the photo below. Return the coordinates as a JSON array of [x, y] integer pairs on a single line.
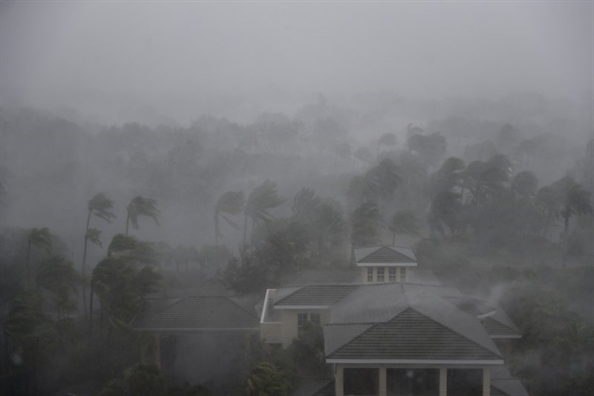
[[181, 59]]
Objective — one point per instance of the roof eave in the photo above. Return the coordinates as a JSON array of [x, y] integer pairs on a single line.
[[493, 362], [410, 264], [197, 330]]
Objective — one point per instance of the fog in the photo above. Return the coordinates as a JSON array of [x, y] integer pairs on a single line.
[[182, 58], [269, 140]]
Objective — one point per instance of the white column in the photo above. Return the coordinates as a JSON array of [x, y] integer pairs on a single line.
[[486, 382], [339, 381], [443, 381], [383, 386]]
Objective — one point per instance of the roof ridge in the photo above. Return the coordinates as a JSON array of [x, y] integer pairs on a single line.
[[449, 328], [290, 294], [352, 324], [248, 312]]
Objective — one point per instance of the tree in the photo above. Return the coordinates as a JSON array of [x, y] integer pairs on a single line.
[[141, 206], [430, 147], [383, 179], [267, 380], [549, 200], [403, 222], [365, 226], [323, 218], [575, 199], [99, 206], [448, 176], [524, 184], [260, 201], [229, 204], [445, 210], [35, 337], [40, 238], [57, 275]]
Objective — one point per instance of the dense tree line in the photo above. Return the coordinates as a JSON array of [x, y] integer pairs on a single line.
[[254, 226]]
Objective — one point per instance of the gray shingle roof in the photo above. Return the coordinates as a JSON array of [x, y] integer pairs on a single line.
[[472, 306], [315, 295], [412, 335], [196, 314], [336, 336], [498, 329], [323, 276], [384, 255]]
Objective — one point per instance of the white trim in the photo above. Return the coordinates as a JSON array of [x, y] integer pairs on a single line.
[[302, 307], [486, 315], [264, 306], [412, 264], [413, 361]]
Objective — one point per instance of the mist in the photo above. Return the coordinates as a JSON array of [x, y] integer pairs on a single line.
[[155, 154], [108, 60]]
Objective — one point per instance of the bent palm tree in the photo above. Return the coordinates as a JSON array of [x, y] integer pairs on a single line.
[[230, 203], [260, 201], [403, 222], [99, 206], [40, 238], [141, 206], [576, 200]]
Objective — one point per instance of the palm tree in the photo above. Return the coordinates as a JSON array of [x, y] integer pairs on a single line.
[[230, 203], [549, 199], [267, 380], [383, 179], [445, 210], [141, 206], [40, 238], [57, 275], [524, 184], [576, 200], [260, 201], [305, 204], [99, 206], [403, 222], [365, 223]]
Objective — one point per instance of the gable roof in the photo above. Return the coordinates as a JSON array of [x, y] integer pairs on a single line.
[[472, 306], [207, 313], [322, 276], [497, 329], [315, 296], [385, 255], [412, 337]]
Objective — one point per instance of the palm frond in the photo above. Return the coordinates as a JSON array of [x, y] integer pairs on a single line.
[[101, 207], [93, 235]]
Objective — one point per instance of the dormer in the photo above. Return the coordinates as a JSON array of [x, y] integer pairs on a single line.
[[382, 264]]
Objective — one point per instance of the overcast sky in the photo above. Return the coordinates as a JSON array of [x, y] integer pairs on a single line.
[[62, 53]]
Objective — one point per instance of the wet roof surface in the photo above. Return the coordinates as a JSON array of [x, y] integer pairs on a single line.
[[196, 313]]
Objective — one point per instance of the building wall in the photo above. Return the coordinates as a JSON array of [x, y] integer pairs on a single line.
[[289, 329]]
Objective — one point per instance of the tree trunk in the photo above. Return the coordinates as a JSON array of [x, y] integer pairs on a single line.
[[566, 228], [127, 221], [216, 220], [91, 315], [84, 261], [27, 271]]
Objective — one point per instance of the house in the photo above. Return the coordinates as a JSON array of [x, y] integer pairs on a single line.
[[386, 332], [198, 337]]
